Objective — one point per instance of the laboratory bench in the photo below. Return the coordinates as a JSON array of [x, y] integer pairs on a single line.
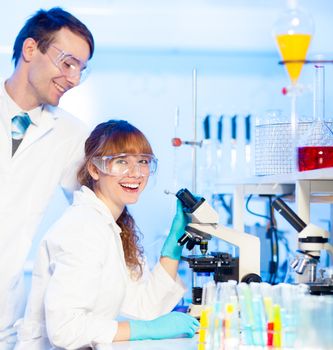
[[178, 344], [307, 186], [166, 344]]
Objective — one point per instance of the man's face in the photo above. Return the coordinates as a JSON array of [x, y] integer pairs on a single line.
[[47, 80]]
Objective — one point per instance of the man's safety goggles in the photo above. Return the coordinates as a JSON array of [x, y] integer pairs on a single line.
[[69, 65], [126, 164]]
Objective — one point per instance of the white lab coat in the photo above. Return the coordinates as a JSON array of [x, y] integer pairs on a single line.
[[81, 283], [47, 157]]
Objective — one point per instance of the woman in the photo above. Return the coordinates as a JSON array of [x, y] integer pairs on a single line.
[[90, 268]]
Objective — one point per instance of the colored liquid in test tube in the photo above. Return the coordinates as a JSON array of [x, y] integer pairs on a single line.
[[206, 315], [204, 324], [268, 304], [231, 325], [277, 326]]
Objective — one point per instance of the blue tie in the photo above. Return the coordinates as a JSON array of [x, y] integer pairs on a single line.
[[20, 124]]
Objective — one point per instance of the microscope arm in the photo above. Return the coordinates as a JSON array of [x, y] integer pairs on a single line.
[[249, 246], [311, 238], [329, 248]]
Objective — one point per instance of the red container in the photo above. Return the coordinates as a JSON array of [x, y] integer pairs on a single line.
[[314, 157]]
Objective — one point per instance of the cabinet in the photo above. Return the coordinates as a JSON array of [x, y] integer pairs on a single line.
[[308, 186]]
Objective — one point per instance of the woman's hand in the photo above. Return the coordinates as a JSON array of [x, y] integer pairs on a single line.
[[171, 249], [171, 325]]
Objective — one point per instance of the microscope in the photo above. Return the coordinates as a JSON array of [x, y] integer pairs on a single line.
[[203, 224], [311, 240]]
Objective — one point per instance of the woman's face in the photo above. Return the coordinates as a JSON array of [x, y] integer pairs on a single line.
[[124, 185]]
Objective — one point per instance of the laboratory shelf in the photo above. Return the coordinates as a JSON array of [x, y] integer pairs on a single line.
[[307, 186]]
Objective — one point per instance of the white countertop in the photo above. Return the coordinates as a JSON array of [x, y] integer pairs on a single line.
[[166, 344], [173, 344]]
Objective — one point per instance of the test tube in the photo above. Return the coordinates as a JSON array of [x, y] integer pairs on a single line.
[[208, 299], [259, 320], [246, 314]]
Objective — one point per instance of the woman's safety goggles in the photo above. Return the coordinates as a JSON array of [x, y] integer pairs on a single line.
[[126, 164]]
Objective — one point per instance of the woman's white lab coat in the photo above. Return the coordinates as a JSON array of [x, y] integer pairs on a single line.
[[81, 283]]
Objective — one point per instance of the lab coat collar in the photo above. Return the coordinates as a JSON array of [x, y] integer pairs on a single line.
[[85, 196], [14, 109], [43, 120], [35, 132]]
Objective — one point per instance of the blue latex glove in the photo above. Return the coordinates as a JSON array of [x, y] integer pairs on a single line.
[[171, 325], [170, 248]]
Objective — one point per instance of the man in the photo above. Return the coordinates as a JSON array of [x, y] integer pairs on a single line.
[[40, 145]]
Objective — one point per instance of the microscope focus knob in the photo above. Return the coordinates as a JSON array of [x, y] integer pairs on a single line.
[[251, 277]]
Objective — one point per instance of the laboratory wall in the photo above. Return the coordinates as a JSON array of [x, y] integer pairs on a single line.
[[157, 63]]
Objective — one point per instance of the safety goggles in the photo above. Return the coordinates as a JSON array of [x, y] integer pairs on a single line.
[[124, 164], [70, 66]]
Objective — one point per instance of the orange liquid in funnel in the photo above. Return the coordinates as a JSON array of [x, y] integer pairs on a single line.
[[293, 47]]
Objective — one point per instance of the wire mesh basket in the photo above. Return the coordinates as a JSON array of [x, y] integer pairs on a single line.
[[274, 150]]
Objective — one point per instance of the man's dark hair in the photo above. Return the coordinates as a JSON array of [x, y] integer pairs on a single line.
[[44, 24]]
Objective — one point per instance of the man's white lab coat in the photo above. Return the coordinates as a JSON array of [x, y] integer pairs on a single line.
[[48, 156], [81, 283]]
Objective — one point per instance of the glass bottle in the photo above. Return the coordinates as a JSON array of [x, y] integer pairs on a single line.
[[315, 148]]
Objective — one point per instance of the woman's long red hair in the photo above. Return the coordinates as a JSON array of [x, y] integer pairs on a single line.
[[114, 137]]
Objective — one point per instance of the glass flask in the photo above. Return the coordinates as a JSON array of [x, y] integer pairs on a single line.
[[315, 148], [293, 32]]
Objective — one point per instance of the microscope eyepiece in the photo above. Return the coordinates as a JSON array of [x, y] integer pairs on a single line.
[[190, 203], [187, 198]]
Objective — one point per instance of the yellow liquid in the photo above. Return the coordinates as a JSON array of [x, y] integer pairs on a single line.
[[293, 47]]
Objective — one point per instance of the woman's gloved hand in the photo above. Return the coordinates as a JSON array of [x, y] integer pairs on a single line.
[[170, 248], [171, 325]]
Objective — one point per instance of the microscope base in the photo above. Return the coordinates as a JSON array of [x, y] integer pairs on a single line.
[[320, 288]]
